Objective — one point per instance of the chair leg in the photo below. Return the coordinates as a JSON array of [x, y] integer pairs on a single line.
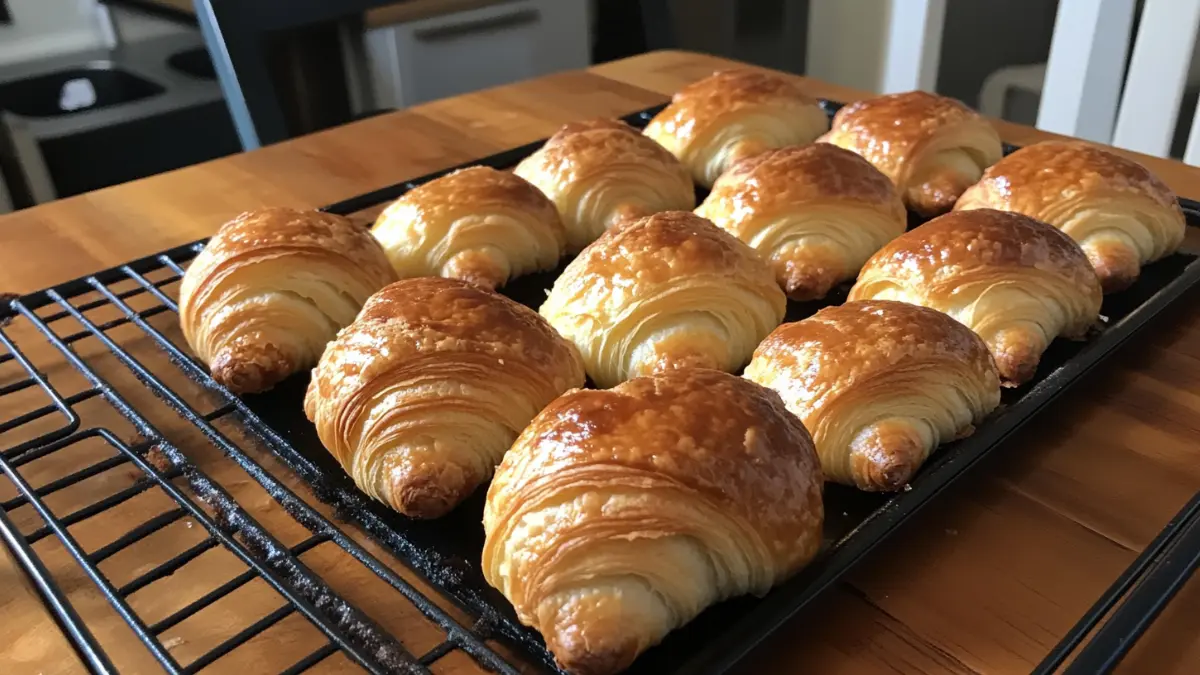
[[1086, 68], [914, 45]]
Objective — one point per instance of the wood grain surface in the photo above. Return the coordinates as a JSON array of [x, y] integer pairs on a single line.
[[985, 580]]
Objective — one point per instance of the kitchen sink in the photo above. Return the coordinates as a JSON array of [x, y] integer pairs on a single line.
[[92, 86]]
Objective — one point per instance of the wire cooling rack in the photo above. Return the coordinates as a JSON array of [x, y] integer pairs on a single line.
[[57, 422]]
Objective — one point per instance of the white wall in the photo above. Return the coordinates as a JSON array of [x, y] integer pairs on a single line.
[[846, 42], [48, 27], [45, 27]]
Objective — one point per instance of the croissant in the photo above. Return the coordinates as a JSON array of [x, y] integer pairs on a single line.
[[734, 114], [601, 172], [272, 288], [667, 291], [1015, 281], [619, 515], [932, 147], [1122, 215], [420, 397], [816, 213], [477, 224], [880, 384]]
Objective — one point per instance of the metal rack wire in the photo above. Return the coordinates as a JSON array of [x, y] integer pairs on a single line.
[[162, 464]]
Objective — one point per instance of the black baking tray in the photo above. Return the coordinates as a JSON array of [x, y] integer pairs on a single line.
[[446, 551]]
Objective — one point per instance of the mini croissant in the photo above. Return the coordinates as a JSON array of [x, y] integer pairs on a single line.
[[668, 291], [815, 212], [880, 385], [272, 288], [932, 147], [1017, 282], [619, 515], [733, 114], [1121, 214], [601, 172], [476, 224], [420, 397]]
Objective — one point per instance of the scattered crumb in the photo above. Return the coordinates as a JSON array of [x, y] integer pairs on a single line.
[[501, 361], [907, 487], [171, 643]]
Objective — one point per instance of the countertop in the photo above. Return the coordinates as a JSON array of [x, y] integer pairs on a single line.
[[984, 580]]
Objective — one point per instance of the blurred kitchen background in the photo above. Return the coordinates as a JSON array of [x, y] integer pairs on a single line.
[[99, 92]]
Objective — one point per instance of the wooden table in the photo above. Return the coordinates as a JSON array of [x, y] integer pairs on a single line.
[[985, 580]]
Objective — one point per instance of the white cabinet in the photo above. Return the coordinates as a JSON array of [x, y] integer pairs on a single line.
[[454, 53]]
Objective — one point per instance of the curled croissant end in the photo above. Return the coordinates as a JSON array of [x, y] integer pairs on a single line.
[[664, 292], [880, 384], [885, 455], [420, 397], [246, 366], [476, 224], [619, 515], [932, 147], [601, 173], [272, 288], [816, 212], [1017, 350], [1017, 282], [1120, 213], [1116, 262], [732, 115], [806, 273], [487, 268]]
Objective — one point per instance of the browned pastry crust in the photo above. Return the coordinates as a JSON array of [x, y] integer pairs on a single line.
[[601, 172], [271, 288], [880, 384], [667, 291], [419, 398], [1122, 215], [815, 212], [619, 515], [734, 114], [476, 224], [932, 147], [1017, 282]]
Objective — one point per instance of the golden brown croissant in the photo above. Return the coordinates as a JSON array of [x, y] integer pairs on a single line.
[[419, 398], [932, 147], [879, 384], [668, 291], [1017, 282], [476, 224], [601, 172], [619, 515], [734, 114], [272, 288], [816, 213], [1121, 214]]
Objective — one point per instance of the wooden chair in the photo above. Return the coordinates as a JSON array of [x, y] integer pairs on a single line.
[[1092, 86]]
